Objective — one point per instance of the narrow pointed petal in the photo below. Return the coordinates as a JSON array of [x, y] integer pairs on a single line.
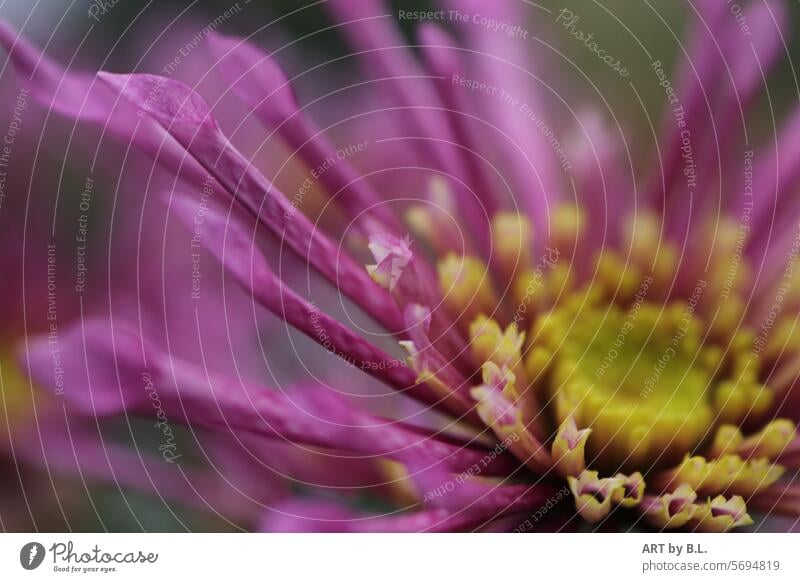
[[260, 83], [306, 515], [696, 76], [85, 97], [116, 372], [504, 61], [186, 118], [228, 237], [171, 123], [369, 28], [78, 451], [445, 61]]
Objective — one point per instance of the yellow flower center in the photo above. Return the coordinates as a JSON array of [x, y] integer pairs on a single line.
[[638, 377], [634, 388]]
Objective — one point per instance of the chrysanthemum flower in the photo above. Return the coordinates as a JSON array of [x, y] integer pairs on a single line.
[[636, 353]]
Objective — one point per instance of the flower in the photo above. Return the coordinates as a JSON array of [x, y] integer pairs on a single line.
[[634, 339]]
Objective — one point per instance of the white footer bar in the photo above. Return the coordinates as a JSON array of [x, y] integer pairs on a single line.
[[407, 558]]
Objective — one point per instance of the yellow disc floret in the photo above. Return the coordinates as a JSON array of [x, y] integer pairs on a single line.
[[643, 386], [638, 379]]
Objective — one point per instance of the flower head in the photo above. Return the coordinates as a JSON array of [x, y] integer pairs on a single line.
[[638, 345]]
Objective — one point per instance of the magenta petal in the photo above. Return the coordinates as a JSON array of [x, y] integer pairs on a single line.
[[369, 27], [790, 457], [260, 83], [92, 387], [84, 97], [186, 117], [55, 87], [503, 61], [443, 58], [776, 170], [171, 123], [232, 242], [749, 60], [254, 77], [77, 450], [603, 177], [777, 499], [308, 515], [108, 372], [754, 55], [698, 73]]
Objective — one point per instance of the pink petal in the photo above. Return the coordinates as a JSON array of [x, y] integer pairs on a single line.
[[260, 83]]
